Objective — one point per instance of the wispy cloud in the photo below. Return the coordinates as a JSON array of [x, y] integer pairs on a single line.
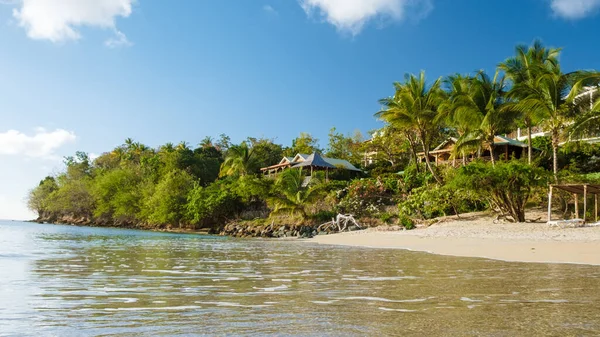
[[59, 20], [575, 9], [270, 10], [43, 144], [350, 16], [119, 40]]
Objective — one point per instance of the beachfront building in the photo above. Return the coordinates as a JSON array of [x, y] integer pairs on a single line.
[[504, 149], [313, 161], [586, 100]]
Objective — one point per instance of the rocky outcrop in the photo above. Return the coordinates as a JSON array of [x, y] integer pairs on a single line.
[[277, 230]]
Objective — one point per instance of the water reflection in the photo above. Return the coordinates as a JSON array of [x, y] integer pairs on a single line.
[[82, 281]]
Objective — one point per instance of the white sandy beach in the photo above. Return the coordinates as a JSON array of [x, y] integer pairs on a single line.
[[477, 236]]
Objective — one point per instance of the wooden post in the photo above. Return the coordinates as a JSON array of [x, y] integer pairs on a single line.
[[576, 205], [595, 207], [506, 152], [584, 202], [550, 204]]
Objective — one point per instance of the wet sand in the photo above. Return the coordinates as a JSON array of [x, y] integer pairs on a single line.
[[477, 235]]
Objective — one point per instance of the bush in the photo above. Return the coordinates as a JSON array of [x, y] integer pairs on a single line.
[[507, 186], [365, 197], [406, 222], [433, 201]]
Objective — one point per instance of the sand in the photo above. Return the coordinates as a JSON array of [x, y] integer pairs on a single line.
[[476, 235]]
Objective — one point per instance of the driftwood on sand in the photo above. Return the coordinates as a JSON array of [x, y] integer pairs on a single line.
[[340, 223]]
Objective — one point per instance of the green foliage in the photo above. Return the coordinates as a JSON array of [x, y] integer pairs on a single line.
[[39, 197], [291, 197], [406, 222], [507, 186], [344, 147], [214, 203], [117, 193], [432, 201], [167, 204], [365, 197], [305, 143]]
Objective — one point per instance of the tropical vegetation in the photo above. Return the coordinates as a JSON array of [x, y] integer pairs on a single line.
[[216, 182]]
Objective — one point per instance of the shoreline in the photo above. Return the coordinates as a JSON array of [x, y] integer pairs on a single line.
[[477, 236]]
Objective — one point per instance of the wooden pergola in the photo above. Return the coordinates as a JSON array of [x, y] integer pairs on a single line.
[[576, 190]]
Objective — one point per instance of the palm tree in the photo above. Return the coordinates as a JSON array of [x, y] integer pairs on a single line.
[[239, 160], [478, 106], [464, 120], [552, 96], [528, 64], [415, 107], [292, 197]]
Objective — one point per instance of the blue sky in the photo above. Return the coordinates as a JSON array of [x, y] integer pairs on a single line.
[[86, 74]]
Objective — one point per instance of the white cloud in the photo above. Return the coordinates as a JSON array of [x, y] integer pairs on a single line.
[[119, 40], [58, 20], [42, 144], [575, 9], [351, 15]]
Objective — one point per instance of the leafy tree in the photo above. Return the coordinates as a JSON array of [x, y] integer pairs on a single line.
[[117, 194], [525, 68], [305, 143], [507, 186], [551, 97], [344, 147], [240, 160], [39, 197], [265, 151], [290, 196], [414, 107], [167, 203], [478, 109]]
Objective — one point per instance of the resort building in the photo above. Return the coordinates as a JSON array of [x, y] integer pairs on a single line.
[[586, 97], [504, 149], [316, 159]]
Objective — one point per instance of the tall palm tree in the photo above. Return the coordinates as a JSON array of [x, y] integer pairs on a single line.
[[552, 96], [292, 197], [480, 106], [528, 64], [464, 120], [239, 160], [414, 106]]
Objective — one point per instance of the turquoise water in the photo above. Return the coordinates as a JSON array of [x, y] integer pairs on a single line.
[[75, 281]]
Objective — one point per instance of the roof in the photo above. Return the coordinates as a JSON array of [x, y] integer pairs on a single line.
[[315, 160], [498, 140], [579, 188], [341, 163], [501, 140]]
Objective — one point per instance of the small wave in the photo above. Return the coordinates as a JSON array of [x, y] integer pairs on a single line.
[[466, 299], [126, 299], [271, 289], [396, 310], [325, 302], [381, 299], [232, 304], [382, 278], [183, 307]]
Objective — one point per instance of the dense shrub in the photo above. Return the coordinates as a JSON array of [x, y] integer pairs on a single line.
[[433, 201], [507, 186]]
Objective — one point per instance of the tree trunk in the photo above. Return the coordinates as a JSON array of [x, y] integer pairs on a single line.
[[529, 143], [413, 148], [555, 154], [427, 163], [491, 148]]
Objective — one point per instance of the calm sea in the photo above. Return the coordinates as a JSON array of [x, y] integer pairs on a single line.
[[74, 281]]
